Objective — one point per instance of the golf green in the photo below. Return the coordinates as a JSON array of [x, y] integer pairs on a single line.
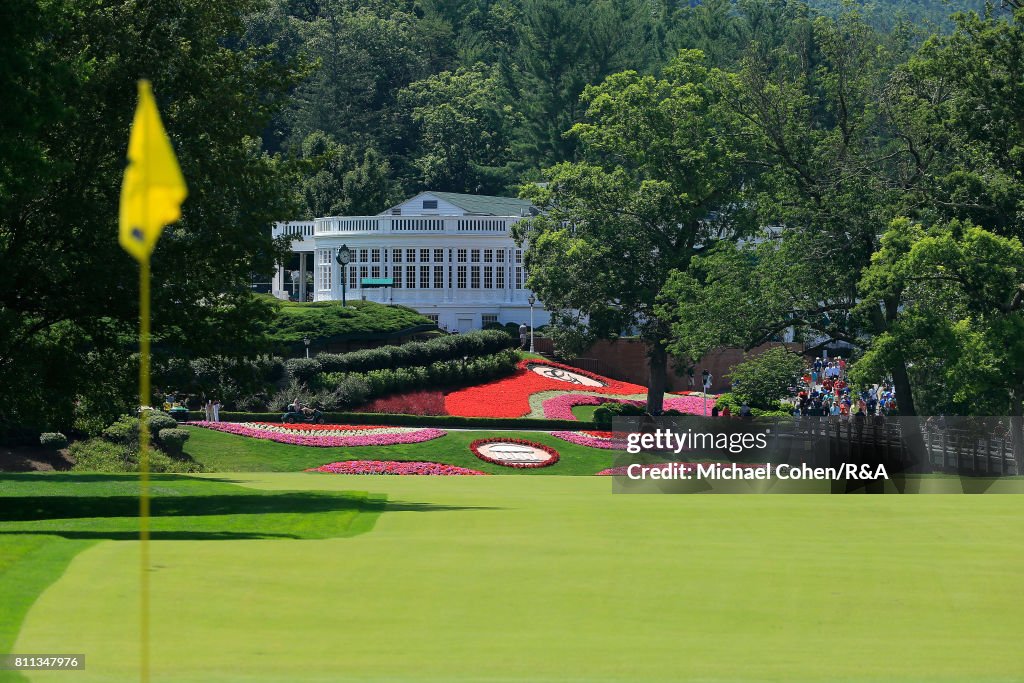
[[555, 579]]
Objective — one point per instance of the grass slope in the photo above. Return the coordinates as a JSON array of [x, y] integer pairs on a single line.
[[555, 579], [220, 452], [324, 319]]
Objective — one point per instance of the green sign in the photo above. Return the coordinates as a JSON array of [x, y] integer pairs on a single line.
[[370, 282]]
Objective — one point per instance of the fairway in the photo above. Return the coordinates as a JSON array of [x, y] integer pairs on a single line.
[[554, 579]]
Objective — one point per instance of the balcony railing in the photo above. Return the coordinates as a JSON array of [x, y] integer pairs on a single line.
[[301, 229], [488, 225]]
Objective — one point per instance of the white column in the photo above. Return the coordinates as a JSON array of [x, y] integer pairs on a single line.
[[302, 276]]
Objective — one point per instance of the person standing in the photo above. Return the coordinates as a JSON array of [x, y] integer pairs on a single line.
[[209, 410], [523, 329], [706, 379], [216, 410]]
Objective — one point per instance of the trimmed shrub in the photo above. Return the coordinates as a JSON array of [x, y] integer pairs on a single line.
[[606, 412], [173, 440], [101, 455], [412, 354], [54, 440], [158, 420], [124, 432], [440, 421]]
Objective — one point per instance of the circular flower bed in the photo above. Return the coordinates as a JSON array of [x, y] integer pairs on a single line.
[[518, 453], [325, 436], [559, 372], [395, 467]]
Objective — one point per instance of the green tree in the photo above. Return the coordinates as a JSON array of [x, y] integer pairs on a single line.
[[660, 175], [70, 311], [338, 181], [463, 125], [765, 379]]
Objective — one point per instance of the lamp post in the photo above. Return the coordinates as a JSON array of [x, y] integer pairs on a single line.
[[532, 301], [306, 342], [344, 256]]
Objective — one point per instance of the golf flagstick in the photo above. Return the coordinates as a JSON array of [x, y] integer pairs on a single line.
[[151, 196]]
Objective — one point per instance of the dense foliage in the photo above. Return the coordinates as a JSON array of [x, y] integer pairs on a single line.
[[323, 320]]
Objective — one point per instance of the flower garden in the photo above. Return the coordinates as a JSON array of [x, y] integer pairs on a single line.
[[538, 389], [325, 436]]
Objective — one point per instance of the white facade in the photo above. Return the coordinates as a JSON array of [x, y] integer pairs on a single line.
[[449, 256]]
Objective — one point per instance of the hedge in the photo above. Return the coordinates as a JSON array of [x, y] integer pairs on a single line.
[[450, 347], [396, 420]]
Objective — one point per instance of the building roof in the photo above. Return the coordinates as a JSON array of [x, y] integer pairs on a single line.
[[484, 205]]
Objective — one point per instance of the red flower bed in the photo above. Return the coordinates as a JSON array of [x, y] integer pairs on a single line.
[[394, 467], [475, 447], [510, 396], [412, 403]]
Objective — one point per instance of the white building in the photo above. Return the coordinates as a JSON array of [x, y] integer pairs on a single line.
[[447, 255]]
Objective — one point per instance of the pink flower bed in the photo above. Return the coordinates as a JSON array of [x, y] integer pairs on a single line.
[[560, 407], [394, 467], [591, 439], [328, 436]]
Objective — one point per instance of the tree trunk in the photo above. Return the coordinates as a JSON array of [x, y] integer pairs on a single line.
[[657, 359], [919, 459], [1017, 426]]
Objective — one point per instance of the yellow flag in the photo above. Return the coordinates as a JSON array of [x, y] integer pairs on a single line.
[[153, 187]]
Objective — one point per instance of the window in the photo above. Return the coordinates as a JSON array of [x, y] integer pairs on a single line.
[[519, 256], [462, 277], [432, 317], [438, 277], [474, 256], [488, 277], [488, 319], [375, 255], [396, 212], [363, 254], [501, 278], [474, 277], [410, 256], [325, 257], [396, 255], [353, 278], [410, 277], [424, 256], [325, 277], [439, 256], [519, 278], [375, 271], [462, 255], [429, 203], [396, 276], [424, 277], [488, 255], [363, 274], [499, 255]]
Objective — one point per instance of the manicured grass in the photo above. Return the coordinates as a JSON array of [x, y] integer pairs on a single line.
[[220, 452], [555, 579], [47, 519], [584, 413]]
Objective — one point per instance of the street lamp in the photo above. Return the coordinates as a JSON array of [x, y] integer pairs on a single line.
[[306, 342], [344, 256], [532, 301]]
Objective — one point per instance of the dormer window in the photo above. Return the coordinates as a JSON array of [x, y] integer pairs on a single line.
[[430, 204]]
